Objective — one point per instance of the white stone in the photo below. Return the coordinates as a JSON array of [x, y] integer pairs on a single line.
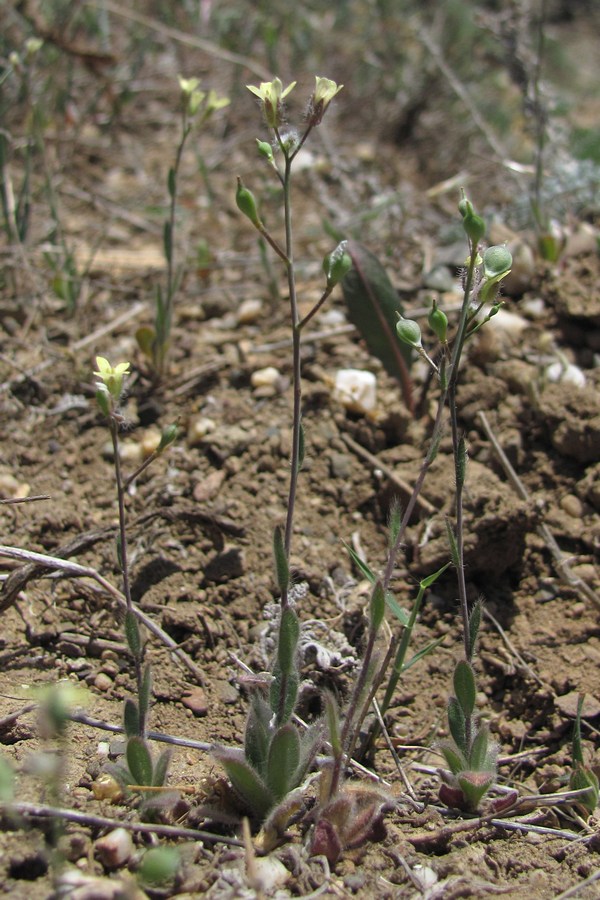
[[249, 311], [115, 848], [559, 372], [356, 389], [267, 377], [198, 429]]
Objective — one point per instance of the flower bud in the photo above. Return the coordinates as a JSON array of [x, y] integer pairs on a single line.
[[337, 264], [409, 332], [438, 322], [247, 204]]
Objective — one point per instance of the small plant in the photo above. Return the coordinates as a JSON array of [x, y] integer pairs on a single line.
[[141, 769], [276, 756], [470, 753], [196, 108], [582, 776]]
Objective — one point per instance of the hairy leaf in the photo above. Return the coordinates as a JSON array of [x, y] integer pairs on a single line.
[[284, 757], [464, 687], [246, 782], [131, 718], [256, 737], [139, 760], [456, 723]]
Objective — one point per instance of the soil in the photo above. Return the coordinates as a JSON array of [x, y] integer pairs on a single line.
[[201, 518]]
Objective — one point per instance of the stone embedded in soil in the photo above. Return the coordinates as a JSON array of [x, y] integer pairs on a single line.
[[115, 848], [103, 682], [195, 700], [567, 705]]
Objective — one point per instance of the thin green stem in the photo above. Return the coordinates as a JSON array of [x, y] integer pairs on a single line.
[[137, 658]]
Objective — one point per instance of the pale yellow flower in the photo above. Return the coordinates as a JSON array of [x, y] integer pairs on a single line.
[[324, 92], [271, 94], [111, 377]]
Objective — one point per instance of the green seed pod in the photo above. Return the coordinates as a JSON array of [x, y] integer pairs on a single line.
[[247, 204], [167, 437], [337, 264], [265, 149], [409, 332], [472, 223], [496, 262], [438, 322]]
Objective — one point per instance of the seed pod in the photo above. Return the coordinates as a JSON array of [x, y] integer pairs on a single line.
[[438, 322], [409, 332], [247, 204]]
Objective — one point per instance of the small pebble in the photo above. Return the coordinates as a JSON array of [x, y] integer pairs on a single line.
[[195, 700], [565, 373], [130, 452], [267, 377], [572, 505], [105, 787], [103, 682], [115, 848], [198, 429], [249, 311], [150, 441], [11, 489], [356, 390]]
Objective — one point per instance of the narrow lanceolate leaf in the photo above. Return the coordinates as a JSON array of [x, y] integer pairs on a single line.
[[246, 782], [256, 736], [139, 760], [131, 718], [290, 685], [373, 303], [146, 691], [282, 569], [474, 625], [453, 545], [377, 606], [464, 687], [132, 633], [161, 769], [480, 756], [394, 521], [332, 714], [284, 758], [454, 759], [289, 632], [456, 723]]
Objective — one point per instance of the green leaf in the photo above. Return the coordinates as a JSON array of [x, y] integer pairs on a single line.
[[377, 606], [146, 691], [583, 778], [289, 632], [146, 337], [431, 579], [457, 725], [373, 303], [362, 566], [283, 760], [464, 687], [168, 241], [455, 760], [453, 545], [332, 715], [395, 608], [291, 692], [172, 182], [139, 760], [421, 654], [474, 625], [481, 758], [282, 569], [394, 521], [132, 633], [131, 718], [246, 782], [161, 769], [159, 865], [257, 733]]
